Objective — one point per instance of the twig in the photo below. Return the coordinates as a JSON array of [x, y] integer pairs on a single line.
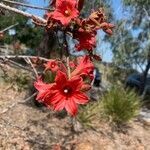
[[7, 109], [9, 27], [67, 53], [23, 57], [68, 67], [28, 15], [27, 99], [31, 64], [16, 64], [26, 5]]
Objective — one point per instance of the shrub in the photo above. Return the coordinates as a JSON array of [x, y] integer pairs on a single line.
[[89, 113], [19, 79], [120, 105]]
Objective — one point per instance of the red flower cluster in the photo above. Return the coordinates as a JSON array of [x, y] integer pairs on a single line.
[[64, 92], [67, 87], [84, 31]]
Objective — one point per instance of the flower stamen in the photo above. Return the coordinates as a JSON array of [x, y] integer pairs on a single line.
[[67, 13], [66, 91]]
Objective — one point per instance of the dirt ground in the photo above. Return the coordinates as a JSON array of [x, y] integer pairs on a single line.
[[24, 126]]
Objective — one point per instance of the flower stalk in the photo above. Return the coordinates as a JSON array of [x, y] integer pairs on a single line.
[[68, 67]]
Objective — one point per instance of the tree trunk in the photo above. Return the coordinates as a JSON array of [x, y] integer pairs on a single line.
[[145, 74]]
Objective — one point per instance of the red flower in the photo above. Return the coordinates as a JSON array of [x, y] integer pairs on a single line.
[[52, 65], [55, 65], [64, 93], [85, 67], [65, 11], [87, 40], [68, 93]]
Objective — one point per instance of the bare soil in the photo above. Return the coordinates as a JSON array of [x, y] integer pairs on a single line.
[[24, 126]]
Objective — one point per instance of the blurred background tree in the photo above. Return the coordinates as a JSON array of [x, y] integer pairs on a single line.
[[25, 32], [130, 41]]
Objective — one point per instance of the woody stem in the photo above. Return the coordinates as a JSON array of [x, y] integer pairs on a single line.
[[67, 54], [95, 21], [28, 15], [68, 67]]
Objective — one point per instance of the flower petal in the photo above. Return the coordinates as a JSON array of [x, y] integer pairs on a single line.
[[80, 98], [41, 86], [76, 82], [60, 105], [60, 78], [56, 98], [71, 107]]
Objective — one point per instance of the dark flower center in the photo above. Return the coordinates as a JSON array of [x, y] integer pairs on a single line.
[[53, 64], [67, 90]]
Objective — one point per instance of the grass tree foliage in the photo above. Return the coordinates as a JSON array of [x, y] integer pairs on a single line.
[[120, 105]]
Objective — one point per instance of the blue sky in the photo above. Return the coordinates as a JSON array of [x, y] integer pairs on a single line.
[[41, 3], [104, 48]]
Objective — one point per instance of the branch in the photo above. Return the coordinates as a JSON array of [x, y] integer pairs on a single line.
[[147, 15], [68, 66], [23, 57], [9, 27], [6, 59], [31, 64], [28, 15], [16, 64], [26, 5]]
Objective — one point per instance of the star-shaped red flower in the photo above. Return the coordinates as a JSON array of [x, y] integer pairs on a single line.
[[65, 11], [63, 94], [52, 65], [68, 93], [55, 65]]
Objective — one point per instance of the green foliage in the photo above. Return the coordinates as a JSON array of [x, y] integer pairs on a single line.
[[89, 113], [130, 41], [19, 80], [30, 35], [139, 2], [26, 32], [118, 74], [49, 77], [120, 105]]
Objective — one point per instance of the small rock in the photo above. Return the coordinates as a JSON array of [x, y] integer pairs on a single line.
[[146, 121], [84, 146], [77, 127]]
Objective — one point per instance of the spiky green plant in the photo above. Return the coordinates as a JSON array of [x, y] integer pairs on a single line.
[[121, 105], [87, 114]]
